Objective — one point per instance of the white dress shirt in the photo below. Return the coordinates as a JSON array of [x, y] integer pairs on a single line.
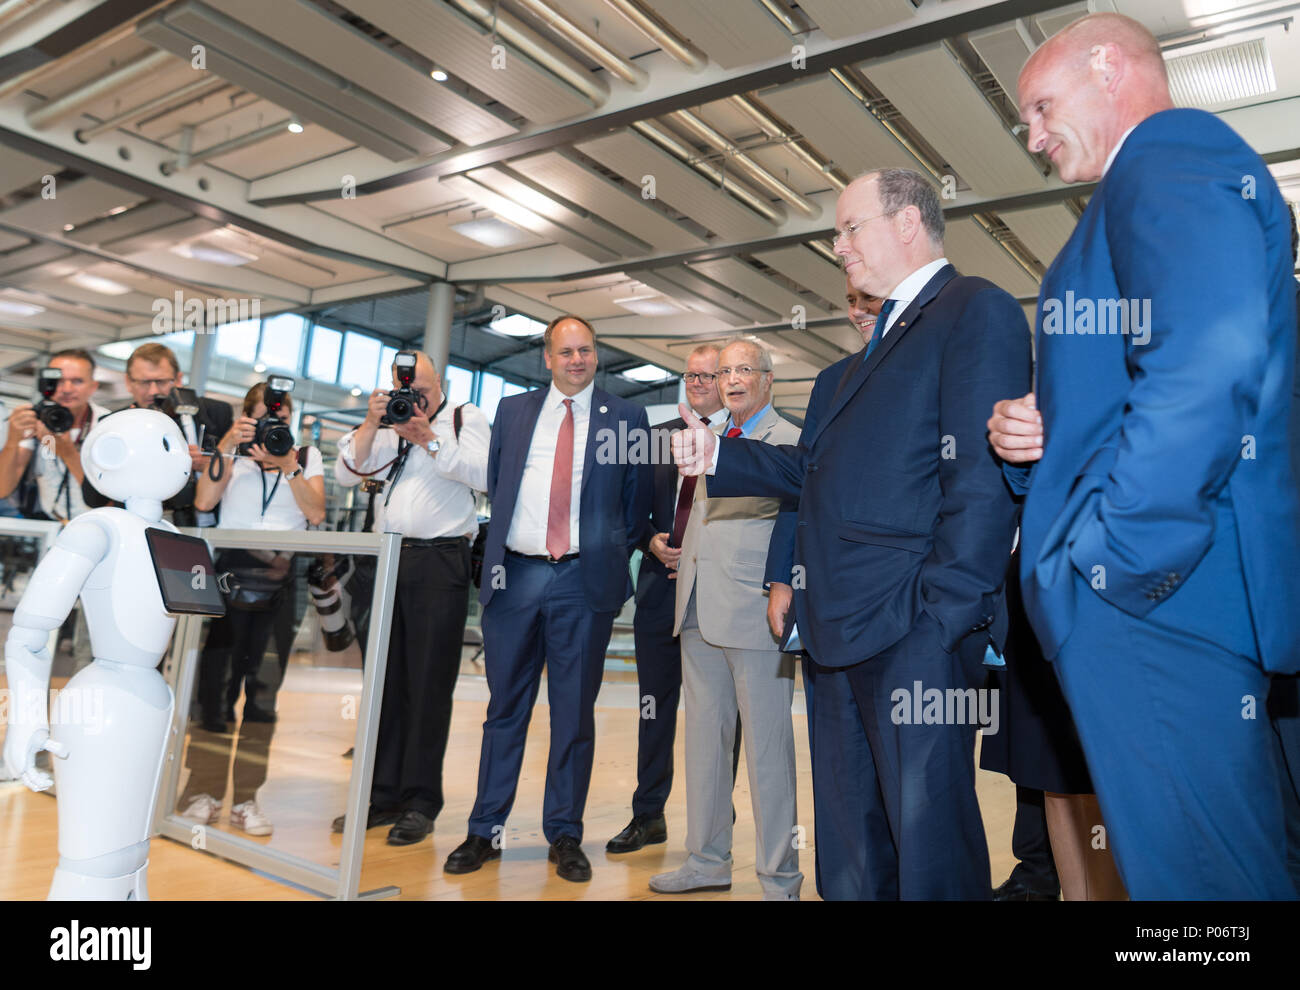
[[1110, 159], [532, 508], [434, 495], [241, 502], [909, 289]]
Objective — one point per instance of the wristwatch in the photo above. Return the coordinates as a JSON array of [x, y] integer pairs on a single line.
[[296, 471], [433, 446]]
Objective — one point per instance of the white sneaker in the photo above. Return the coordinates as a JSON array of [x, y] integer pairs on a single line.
[[204, 809], [248, 816]]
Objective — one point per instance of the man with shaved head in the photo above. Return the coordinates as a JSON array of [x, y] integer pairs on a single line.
[[1161, 524]]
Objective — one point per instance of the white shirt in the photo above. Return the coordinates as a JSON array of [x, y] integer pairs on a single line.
[[434, 495], [241, 503], [909, 289], [1110, 159], [528, 528], [60, 491]]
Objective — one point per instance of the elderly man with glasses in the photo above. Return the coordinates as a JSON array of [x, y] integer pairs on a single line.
[[731, 662]]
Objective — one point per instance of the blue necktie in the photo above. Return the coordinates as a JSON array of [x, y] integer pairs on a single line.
[[886, 308]]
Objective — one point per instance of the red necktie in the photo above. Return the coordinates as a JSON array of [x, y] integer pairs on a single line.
[[557, 516], [733, 432], [684, 500]]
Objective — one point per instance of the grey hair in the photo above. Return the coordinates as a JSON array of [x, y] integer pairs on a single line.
[[900, 188], [764, 355]]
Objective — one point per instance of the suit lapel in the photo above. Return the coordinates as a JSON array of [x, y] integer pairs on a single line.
[[859, 371], [600, 419]]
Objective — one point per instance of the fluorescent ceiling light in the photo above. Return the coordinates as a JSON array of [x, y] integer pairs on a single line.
[[491, 231], [15, 308], [214, 255], [104, 286], [1221, 75], [295, 126], [649, 305], [646, 374], [438, 75], [517, 325]]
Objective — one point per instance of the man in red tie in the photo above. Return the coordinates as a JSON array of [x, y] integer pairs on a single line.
[[658, 652], [568, 506]]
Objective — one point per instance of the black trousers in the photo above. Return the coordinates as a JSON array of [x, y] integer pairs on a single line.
[[1031, 845], [424, 647], [231, 656]]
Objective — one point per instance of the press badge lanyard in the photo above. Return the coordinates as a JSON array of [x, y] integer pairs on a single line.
[[266, 499]]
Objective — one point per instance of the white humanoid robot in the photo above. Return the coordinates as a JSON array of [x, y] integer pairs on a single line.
[[107, 770]]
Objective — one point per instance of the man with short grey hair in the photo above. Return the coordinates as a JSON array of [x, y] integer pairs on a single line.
[[904, 529], [731, 661]]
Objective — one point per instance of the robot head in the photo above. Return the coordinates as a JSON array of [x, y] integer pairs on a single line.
[[136, 453]]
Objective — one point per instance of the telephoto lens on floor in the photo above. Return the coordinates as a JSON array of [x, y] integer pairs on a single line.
[[323, 583]]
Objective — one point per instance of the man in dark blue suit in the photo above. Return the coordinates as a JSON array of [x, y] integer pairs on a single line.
[[658, 651], [903, 531], [841, 786], [1161, 524], [570, 490]]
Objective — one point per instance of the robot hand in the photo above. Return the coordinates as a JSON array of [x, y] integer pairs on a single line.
[[28, 717], [20, 755]]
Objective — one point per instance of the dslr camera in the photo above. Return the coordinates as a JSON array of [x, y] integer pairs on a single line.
[[54, 417], [402, 401], [271, 432], [177, 403]]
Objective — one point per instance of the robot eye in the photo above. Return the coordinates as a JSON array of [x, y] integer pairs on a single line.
[[166, 444]]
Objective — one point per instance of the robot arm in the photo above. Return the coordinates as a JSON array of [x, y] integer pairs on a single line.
[[50, 595]]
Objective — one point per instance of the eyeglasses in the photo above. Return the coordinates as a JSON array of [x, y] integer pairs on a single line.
[[853, 228], [691, 377], [743, 370], [162, 383]]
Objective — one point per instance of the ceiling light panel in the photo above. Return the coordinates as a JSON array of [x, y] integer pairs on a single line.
[[278, 74], [839, 127], [1224, 74], [677, 184], [942, 102], [802, 265], [308, 29], [732, 34], [578, 184], [453, 41], [1042, 229], [970, 248], [846, 18]]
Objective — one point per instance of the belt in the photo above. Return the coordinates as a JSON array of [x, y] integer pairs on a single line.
[[437, 541], [547, 558]]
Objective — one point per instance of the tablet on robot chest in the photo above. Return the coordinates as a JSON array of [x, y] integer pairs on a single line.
[[187, 576]]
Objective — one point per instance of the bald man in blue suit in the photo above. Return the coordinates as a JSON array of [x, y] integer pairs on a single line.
[[1161, 528]]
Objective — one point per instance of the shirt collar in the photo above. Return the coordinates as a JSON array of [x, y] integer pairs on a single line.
[[581, 402], [1110, 159], [911, 287], [752, 422]]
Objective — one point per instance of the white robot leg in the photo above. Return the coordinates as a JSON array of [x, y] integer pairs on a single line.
[[113, 718]]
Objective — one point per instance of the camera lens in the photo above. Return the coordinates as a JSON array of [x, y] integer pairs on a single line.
[[400, 409], [276, 438], [55, 417]]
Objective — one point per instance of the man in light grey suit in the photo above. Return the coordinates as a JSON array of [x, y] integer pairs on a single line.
[[731, 660]]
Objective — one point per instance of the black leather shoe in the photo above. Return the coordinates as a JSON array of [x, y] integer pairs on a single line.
[[570, 861], [374, 818], [642, 830], [1015, 890], [470, 855], [410, 829]]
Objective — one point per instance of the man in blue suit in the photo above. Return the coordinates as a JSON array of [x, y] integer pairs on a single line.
[[903, 531], [570, 493], [1161, 528], [841, 785]]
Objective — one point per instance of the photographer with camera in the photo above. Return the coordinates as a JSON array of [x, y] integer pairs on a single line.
[[266, 484], [57, 424], [154, 379], [432, 458]]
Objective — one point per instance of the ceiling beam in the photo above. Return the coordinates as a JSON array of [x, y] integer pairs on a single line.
[[675, 87]]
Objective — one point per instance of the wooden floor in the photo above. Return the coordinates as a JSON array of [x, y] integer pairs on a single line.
[[307, 787]]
